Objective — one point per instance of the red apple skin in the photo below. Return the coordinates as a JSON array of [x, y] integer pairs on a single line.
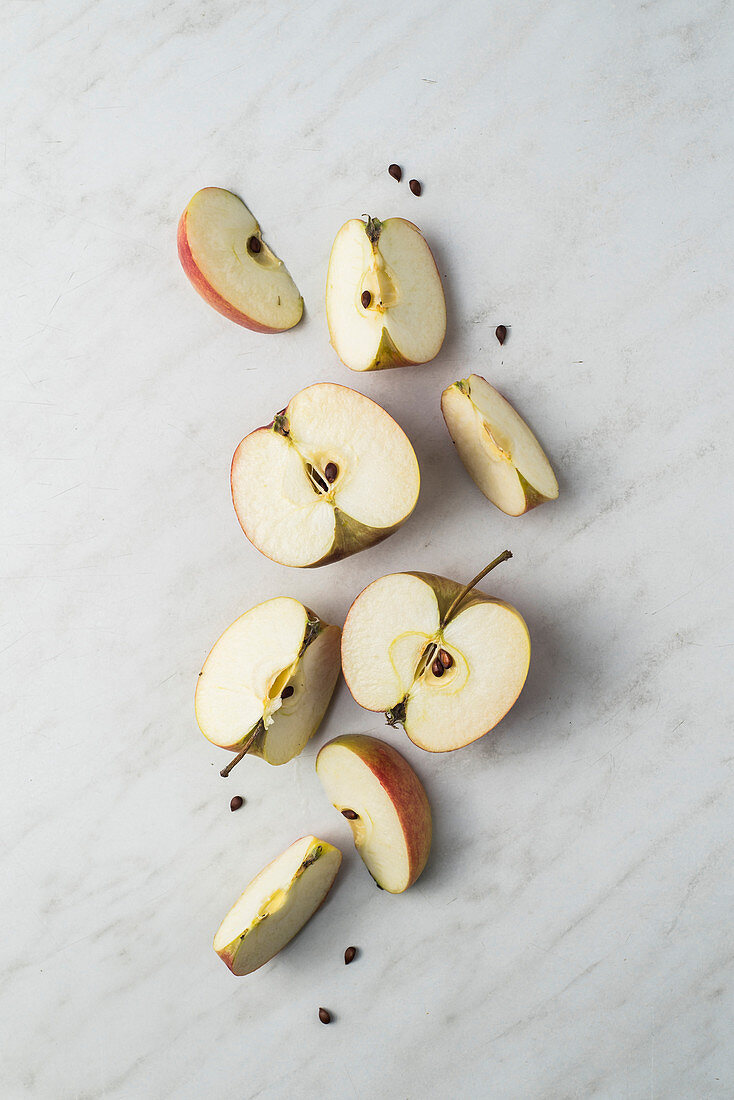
[[405, 790], [206, 290]]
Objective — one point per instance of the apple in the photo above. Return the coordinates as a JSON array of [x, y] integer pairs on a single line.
[[382, 798], [498, 449], [330, 475], [267, 682], [384, 299], [223, 254], [443, 659], [277, 904]]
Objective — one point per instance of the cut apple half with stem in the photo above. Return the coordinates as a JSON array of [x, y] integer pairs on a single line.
[[385, 304], [498, 449], [222, 252], [383, 800], [277, 904], [332, 474], [267, 682], [444, 660]]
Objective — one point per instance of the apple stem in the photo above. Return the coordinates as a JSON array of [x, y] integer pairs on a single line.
[[243, 751], [504, 556]]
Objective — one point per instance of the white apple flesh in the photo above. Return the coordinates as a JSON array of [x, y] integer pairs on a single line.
[[268, 680], [223, 254], [498, 449], [276, 904], [331, 475], [384, 299], [447, 666], [383, 800]]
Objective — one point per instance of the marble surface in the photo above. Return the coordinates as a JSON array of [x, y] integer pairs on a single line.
[[571, 936]]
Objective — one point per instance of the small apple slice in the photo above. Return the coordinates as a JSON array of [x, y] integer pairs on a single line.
[[332, 474], [384, 801], [267, 682], [445, 660], [223, 254], [384, 300], [277, 904], [498, 449]]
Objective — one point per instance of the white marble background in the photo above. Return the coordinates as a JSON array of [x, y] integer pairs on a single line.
[[572, 936]]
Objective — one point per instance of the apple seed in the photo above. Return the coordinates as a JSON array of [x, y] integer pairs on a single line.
[[330, 472], [437, 667], [350, 815], [349, 955], [236, 802], [254, 245], [445, 658], [366, 298], [287, 692], [415, 187], [501, 333], [324, 1016], [396, 172]]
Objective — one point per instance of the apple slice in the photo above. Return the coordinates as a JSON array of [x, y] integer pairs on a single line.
[[332, 474], [223, 254], [384, 299], [277, 904], [498, 449], [267, 682], [444, 660], [376, 789]]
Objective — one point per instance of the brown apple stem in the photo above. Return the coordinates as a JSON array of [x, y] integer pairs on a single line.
[[243, 751], [504, 556]]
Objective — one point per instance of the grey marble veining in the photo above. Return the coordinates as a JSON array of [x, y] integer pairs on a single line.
[[571, 937]]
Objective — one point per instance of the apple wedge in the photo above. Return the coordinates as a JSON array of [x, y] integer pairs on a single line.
[[498, 449], [376, 789], [332, 474], [229, 264], [384, 300], [267, 682], [277, 904], [443, 659]]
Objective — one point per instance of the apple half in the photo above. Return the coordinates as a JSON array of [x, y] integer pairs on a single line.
[[267, 681], [384, 300], [332, 474], [376, 789], [277, 904], [222, 251], [444, 660], [498, 449]]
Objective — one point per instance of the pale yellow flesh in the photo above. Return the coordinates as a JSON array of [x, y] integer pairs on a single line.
[[406, 297], [495, 445], [378, 834], [277, 904], [275, 499], [218, 227]]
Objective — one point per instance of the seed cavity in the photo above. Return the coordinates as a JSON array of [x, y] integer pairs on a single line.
[[254, 245], [366, 298]]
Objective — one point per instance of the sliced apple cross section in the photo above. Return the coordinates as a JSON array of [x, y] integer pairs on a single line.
[[268, 680], [276, 904], [445, 660], [331, 475], [384, 299], [383, 800], [498, 449], [222, 251]]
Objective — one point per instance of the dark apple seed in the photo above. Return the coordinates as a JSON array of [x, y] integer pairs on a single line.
[[330, 472], [445, 658], [287, 692], [254, 245], [236, 802], [324, 1016], [396, 172], [437, 668], [415, 187], [350, 815], [366, 298], [349, 955], [501, 333]]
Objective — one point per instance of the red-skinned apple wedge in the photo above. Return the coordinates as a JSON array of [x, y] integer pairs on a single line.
[[383, 800], [226, 260]]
